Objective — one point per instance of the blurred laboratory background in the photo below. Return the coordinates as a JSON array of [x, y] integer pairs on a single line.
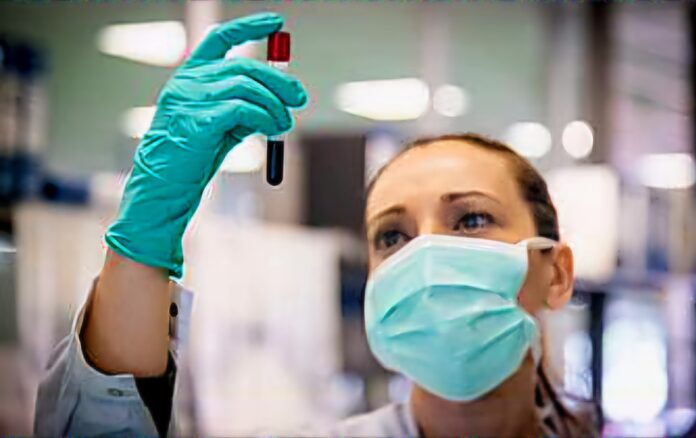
[[599, 96]]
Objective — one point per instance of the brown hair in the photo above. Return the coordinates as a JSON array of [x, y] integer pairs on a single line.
[[535, 192], [532, 184]]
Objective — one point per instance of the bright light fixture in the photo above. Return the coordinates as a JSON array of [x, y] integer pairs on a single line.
[[667, 171], [530, 139], [578, 139], [393, 99], [450, 100], [136, 121], [161, 43], [635, 385], [594, 238], [248, 156]]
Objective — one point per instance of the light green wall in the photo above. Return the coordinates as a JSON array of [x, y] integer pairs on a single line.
[[499, 52], [496, 54], [88, 90], [336, 42]]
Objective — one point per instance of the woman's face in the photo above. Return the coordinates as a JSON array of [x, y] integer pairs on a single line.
[[450, 187]]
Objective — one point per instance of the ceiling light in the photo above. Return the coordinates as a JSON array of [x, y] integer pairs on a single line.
[[667, 171], [530, 139], [450, 101], [578, 139], [393, 99], [161, 43]]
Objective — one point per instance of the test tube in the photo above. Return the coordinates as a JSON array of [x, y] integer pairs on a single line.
[[278, 56]]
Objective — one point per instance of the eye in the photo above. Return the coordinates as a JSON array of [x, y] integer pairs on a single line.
[[474, 221], [389, 238]]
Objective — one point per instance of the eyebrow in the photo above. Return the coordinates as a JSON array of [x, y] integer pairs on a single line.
[[446, 198], [395, 209], [453, 196]]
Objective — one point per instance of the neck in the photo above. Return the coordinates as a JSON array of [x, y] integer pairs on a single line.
[[506, 411]]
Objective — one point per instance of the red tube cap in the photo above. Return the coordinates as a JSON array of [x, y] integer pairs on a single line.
[[278, 47]]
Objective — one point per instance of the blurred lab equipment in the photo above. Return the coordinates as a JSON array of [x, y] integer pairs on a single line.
[[23, 113], [264, 342]]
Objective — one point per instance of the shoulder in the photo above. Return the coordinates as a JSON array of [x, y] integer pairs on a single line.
[[387, 421]]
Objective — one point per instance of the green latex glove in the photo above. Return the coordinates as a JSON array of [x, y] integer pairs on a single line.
[[206, 108]]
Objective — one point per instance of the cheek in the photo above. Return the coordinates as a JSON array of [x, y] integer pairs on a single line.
[[527, 300], [534, 290], [372, 262]]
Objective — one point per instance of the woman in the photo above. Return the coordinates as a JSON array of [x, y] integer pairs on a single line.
[[463, 250]]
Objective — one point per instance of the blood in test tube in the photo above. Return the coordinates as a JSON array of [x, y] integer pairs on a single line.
[[278, 56]]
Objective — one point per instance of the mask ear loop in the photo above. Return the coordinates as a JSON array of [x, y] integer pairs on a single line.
[[538, 242]]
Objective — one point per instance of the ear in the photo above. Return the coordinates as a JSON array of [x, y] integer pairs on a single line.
[[561, 287]]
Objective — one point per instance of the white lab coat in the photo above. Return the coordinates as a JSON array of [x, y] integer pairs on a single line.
[[77, 400]]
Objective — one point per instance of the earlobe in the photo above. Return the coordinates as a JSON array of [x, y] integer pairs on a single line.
[[561, 288]]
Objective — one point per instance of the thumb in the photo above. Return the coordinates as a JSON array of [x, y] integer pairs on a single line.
[[235, 32]]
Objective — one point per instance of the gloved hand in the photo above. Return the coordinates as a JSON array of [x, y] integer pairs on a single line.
[[206, 108]]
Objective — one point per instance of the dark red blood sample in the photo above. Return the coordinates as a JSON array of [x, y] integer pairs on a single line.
[[274, 162], [278, 47]]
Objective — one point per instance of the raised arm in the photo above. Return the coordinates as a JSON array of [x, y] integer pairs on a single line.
[[208, 106]]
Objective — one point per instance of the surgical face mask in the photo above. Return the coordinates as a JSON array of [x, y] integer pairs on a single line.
[[443, 311]]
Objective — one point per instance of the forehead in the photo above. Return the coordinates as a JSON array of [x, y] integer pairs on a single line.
[[443, 167]]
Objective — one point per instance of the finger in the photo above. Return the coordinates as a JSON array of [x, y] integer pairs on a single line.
[[240, 113], [288, 88], [232, 33], [245, 88]]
